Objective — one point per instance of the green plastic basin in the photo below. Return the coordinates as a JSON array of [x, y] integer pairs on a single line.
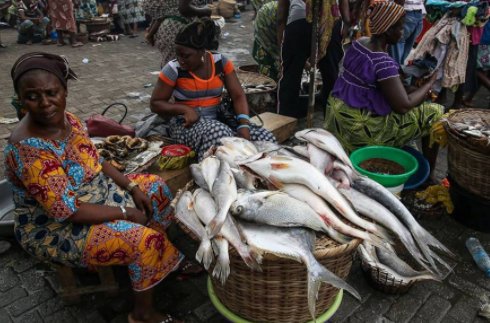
[[396, 155]]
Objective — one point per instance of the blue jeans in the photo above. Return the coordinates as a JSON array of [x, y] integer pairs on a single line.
[[411, 29]]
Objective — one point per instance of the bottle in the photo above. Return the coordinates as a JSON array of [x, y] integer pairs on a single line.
[[479, 255], [53, 35]]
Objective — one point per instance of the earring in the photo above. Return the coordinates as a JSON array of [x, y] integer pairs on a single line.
[[202, 58]]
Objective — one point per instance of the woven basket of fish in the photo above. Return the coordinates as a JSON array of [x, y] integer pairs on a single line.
[[263, 213], [469, 150], [260, 91]]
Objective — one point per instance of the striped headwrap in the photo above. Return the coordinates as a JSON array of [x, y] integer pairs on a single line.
[[383, 15]]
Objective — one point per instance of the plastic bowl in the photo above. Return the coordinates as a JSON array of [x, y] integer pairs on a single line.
[[396, 155], [422, 172]]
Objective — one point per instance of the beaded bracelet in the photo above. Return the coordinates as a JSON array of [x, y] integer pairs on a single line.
[[243, 116], [243, 126]]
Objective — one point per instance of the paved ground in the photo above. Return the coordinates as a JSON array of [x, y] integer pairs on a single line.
[[28, 289]]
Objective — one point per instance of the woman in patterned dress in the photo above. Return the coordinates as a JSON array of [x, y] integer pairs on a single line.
[[131, 14], [196, 80], [63, 20], [266, 52], [74, 208]]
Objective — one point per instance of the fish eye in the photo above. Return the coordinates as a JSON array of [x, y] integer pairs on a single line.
[[239, 209]]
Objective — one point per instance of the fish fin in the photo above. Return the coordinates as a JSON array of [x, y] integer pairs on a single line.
[[318, 272], [221, 270], [250, 258], [276, 182], [215, 225], [424, 240], [313, 287], [204, 253]]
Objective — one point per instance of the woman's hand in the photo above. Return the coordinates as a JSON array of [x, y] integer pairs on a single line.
[[136, 216], [142, 202], [190, 116], [244, 133]]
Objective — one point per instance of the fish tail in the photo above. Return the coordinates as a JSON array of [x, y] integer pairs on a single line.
[[215, 225], [222, 269], [437, 244], [424, 240], [318, 272], [313, 287], [412, 248], [204, 253], [251, 258]]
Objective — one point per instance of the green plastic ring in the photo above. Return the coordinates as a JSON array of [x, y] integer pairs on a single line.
[[237, 319]]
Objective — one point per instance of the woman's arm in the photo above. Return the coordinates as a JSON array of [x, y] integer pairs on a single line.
[[240, 104], [398, 98], [282, 18], [186, 9], [160, 104]]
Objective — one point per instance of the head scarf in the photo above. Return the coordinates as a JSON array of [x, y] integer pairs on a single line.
[[383, 15], [200, 34], [55, 64]]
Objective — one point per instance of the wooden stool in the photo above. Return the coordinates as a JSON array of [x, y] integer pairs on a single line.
[[71, 289]]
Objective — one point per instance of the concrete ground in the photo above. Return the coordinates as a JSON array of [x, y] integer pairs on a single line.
[[28, 288]]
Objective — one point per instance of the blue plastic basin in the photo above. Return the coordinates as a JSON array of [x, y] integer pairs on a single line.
[[422, 173]]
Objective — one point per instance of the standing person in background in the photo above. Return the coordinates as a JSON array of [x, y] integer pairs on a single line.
[[131, 14], [294, 37], [266, 52], [414, 22], [32, 23], [63, 20]]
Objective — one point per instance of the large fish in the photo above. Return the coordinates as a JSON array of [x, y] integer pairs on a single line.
[[221, 269], [326, 141], [225, 192], [243, 178], [374, 210], [276, 208], [423, 238], [205, 209], [296, 244], [243, 146], [210, 168], [198, 177], [281, 170], [273, 149], [304, 194], [394, 266], [186, 214], [319, 158]]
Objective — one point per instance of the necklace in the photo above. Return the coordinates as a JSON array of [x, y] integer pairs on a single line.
[[207, 80]]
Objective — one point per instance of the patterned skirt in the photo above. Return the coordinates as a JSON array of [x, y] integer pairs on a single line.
[[130, 11], [356, 128], [265, 50], [61, 15], [165, 36]]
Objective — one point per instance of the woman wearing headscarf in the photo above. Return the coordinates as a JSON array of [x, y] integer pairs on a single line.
[[196, 80], [369, 104], [74, 208]]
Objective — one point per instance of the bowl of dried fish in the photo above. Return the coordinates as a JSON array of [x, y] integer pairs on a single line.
[[260, 91]]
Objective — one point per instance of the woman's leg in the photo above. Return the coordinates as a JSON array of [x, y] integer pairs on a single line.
[[61, 41], [430, 152]]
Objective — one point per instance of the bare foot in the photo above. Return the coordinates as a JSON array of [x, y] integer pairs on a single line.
[[77, 44], [61, 43]]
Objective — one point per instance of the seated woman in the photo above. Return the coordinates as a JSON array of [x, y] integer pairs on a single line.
[[369, 104], [31, 21], [196, 79], [74, 208]]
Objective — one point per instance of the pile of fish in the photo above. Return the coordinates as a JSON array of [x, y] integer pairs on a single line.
[[265, 198], [472, 127], [119, 149]]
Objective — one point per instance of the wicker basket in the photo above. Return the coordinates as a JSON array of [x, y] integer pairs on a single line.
[[419, 209], [383, 281], [259, 100], [468, 158], [279, 292]]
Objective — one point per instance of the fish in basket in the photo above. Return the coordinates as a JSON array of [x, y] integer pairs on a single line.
[[264, 199]]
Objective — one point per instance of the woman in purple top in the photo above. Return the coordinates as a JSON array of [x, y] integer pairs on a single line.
[[369, 104]]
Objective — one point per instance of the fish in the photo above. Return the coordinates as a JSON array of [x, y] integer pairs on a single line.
[[421, 236], [369, 255], [304, 194], [351, 173], [186, 214], [301, 150], [276, 208], [341, 177], [326, 141], [320, 158], [205, 209], [280, 170], [243, 146], [377, 212], [198, 177], [225, 192], [273, 149], [210, 167], [295, 244], [221, 269], [244, 179]]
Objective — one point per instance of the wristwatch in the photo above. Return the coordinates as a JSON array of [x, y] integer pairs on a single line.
[[124, 212], [131, 186]]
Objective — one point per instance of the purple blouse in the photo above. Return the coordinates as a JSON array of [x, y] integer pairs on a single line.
[[358, 77]]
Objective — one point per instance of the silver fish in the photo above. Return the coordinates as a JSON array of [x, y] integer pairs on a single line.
[[342, 179], [243, 146], [244, 179], [281, 170], [205, 208], [301, 150], [210, 167], [225, 192], [304, 194], [221, 269], [326, 141], [421, 236], [184, 211], [320, 158], [198, 177], [276, 208], [296, 244]]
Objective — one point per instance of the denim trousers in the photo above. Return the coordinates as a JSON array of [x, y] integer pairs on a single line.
[[411, 29]]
